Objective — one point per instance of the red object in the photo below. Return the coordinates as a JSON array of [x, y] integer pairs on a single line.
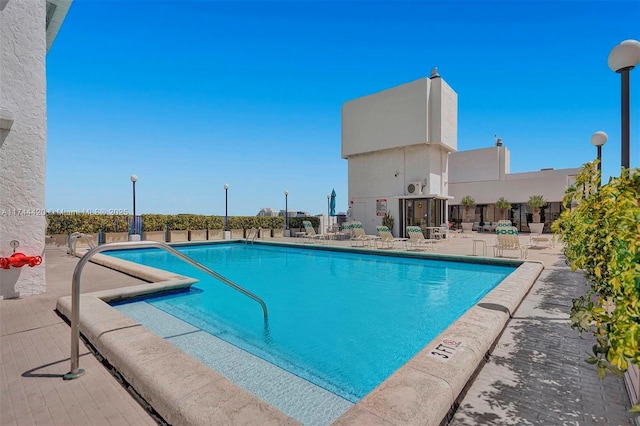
[[18, 260]]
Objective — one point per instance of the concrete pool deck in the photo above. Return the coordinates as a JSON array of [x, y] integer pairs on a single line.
[[35, 348]]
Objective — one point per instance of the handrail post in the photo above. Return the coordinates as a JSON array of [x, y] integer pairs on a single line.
[[75, 291]]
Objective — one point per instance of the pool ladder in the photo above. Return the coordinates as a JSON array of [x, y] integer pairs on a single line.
[[73, 240], [252, 234], [75, 291]]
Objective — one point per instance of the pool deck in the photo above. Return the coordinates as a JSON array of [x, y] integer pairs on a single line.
[[534, 375]]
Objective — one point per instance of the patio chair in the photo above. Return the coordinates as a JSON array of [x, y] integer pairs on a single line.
[[310, 235], [387, 239], [507, 239], [359, 237], [417, 241]]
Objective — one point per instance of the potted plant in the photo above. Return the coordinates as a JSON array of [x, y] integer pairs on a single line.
[[468, 202], [536, 202], [388, 221], [154, 227], [236, 226], [197, 227], [178, 226], [214, 227], [116, 228], [503, 205]]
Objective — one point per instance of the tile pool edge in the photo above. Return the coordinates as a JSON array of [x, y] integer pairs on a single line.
[[422, 391], [177, 386]]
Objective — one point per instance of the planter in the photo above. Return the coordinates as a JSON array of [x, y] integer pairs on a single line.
[[467, 226], [154, 236], [237, 233], [115, 237], [59, 239], [632, 381], [198, 235], [82, 242], [265, 233], [214, 234], [536, 228], [178, 236]]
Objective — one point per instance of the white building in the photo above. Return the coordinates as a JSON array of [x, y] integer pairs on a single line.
[[27, 31], [484, 175], [397, 143], [401, 146], [267, 211]]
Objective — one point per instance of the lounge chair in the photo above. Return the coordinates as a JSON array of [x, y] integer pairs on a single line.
[[359, 237], [387, 239], [507, 239], [310, 235], [417, 241]]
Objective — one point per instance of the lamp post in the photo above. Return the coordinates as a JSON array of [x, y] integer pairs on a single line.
[[622, 59], [598, 139], [134, 235], [328, 212], [227, 235], [286, 212]]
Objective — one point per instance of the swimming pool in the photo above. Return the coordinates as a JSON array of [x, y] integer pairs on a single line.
[[343, 321]]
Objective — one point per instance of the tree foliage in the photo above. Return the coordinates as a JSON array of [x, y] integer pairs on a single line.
[[601, 232], [536, 202], [503, 204]]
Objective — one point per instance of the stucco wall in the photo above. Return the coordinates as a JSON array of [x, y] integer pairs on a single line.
[[517, 187], [443, 114], [392, 118], [386, 175], [485, 164], [22, 148]]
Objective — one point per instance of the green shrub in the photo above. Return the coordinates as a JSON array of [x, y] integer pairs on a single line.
[[601, 238], [388, 221], [296, 222], [154, 222], [115, 223], [214, 222]]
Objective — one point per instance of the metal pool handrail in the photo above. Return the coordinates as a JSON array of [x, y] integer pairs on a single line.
[[75, 295]]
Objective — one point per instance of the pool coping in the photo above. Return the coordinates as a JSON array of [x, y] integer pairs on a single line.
[[423, 391]]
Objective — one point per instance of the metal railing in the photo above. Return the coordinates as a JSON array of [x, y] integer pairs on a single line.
[[252, 234], [73, 241], [75, 295]]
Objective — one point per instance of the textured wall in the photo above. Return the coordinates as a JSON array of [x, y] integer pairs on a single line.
[[22, 149], [392, 118]]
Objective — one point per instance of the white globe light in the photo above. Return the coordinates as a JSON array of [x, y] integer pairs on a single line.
[[599, 138], [624, 55], [226, 186], [134, 178]]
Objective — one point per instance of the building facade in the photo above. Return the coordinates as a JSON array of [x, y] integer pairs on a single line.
[[397, 143], [27, 31], [401, 148]]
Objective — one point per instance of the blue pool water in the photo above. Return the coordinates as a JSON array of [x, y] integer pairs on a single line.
[[343, 321]]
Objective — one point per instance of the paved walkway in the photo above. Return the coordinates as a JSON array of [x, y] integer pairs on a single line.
[[536, 374]]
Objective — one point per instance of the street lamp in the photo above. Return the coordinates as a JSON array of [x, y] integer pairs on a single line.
[[286, 210], [226, 207], [622, 59], [134, 179], [598, 139], [328, 211]]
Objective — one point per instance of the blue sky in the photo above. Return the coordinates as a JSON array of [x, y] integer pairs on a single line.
[[190, 95]]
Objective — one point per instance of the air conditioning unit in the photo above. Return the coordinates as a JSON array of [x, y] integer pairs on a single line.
[[414, 188]]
